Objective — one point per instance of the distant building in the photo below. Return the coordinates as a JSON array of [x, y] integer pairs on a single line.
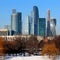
[[16, 23], [53, 27], [19, 23], [48, 24], [11, 38], [27, 25], [26, 37], [13, 22], [42, 27], [9, 28], [34, 21], [4, 32]]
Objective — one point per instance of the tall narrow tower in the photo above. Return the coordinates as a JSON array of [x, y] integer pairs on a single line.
[[48, 24], [48, 15], [35, 17]]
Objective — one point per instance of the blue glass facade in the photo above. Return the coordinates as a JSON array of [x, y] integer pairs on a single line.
[[42, 27], [16, 23], [34, 22], [19, 23], [48, 28]]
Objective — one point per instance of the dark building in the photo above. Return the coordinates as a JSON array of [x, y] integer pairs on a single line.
[[19, 23], [42, 27], [34, 21]]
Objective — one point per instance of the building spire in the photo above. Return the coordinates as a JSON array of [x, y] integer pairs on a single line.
[[48, 15]]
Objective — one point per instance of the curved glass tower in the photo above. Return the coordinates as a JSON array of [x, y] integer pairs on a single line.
[[35, 17], [53, 27], [16, 24]]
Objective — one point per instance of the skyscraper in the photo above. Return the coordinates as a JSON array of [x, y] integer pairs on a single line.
[[48, 24], [27, 25], [19, 23], [35, 17], [42, 27], [16, 23], [53, 27]]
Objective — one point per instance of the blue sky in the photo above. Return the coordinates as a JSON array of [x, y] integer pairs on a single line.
[[25, 6]]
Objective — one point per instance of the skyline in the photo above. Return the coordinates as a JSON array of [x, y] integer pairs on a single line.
[[21, 6]]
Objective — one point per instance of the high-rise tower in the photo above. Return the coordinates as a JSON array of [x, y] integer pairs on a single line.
[[27, 28], [42, 27], [19, 23], [16, 23], [48, 17], [53, 27], [48, 24], [35, 17]]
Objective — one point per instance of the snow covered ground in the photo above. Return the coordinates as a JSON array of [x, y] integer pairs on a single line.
[[31, 58]]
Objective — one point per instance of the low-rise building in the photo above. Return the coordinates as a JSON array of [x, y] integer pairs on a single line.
[[26, 37], [4, 32]]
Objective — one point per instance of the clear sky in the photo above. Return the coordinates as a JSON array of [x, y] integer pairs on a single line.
[[25, 6]]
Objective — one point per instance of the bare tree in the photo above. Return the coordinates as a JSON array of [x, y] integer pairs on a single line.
[[32, 44]]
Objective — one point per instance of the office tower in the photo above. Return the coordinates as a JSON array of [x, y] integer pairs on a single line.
[[13, 22], [35, 17], [42, 27], [48, 24], [16, 23], [53, 27], [32, 24], [19, 23], [27, 25]]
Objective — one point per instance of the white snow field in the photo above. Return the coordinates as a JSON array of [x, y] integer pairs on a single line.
[[32, 58]]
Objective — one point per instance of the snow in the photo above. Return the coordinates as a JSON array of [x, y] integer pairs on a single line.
[[30, 58]]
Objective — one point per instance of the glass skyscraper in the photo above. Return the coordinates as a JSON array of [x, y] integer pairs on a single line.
[[19, 23], [48, 29], [16, 23], [27, 25], [42, 27], [34, 21], [53, 27], [48, 24]]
